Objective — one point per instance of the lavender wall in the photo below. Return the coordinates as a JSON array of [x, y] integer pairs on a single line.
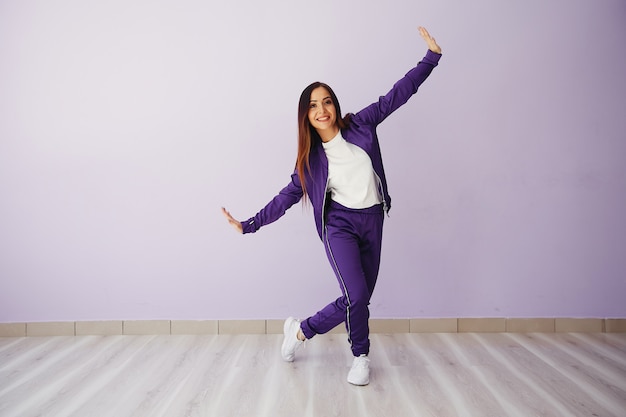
[[125, 126]]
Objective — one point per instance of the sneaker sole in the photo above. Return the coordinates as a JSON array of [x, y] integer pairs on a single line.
[[359, 384]]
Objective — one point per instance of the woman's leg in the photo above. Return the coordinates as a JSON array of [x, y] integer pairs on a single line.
[[352, 241]]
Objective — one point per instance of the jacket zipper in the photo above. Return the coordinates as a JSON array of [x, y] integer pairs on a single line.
[[381, 190], [324, 207]]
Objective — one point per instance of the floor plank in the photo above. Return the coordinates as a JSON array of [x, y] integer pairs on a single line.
[[447, 374]]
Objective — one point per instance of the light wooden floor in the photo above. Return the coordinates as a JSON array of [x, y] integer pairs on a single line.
[[503, 374]]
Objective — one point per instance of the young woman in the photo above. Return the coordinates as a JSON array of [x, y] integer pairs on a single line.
[[339, 170]]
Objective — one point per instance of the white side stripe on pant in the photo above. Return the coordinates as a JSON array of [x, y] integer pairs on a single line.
[[343, 284]]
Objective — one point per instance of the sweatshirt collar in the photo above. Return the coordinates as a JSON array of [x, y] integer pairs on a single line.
[[334, 141]]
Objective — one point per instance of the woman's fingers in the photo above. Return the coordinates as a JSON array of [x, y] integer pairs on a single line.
[[233, 222], [430, 41]]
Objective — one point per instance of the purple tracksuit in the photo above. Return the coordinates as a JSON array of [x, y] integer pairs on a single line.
[[352, 237]]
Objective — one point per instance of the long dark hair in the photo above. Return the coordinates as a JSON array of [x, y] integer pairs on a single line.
[[307, 135]]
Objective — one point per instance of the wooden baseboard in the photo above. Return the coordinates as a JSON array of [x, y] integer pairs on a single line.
[[416, 325]]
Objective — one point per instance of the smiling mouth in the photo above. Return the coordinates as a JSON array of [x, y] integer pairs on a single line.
[[323, 119]]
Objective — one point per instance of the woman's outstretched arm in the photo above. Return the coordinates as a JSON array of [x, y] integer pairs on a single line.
[[287, 197], [402, 90]]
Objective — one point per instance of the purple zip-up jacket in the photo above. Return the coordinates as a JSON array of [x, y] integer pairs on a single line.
[[361, 132]]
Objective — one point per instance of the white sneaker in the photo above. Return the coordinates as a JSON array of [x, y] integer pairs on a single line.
[[291, 341], [360, 372]]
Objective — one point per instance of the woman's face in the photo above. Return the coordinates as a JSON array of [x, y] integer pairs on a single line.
[[322, 113]]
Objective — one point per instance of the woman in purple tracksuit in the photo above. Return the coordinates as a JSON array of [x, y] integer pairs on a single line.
[[339, 170]]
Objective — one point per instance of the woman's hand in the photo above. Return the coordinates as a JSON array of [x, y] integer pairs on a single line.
[[430, 41], [233, 222]]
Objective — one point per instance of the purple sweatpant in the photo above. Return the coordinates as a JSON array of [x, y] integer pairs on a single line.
[[352, 238]]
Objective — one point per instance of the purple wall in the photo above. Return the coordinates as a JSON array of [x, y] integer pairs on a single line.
[[125, 126]]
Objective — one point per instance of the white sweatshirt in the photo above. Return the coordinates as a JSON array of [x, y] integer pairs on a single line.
[[351, 178]]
